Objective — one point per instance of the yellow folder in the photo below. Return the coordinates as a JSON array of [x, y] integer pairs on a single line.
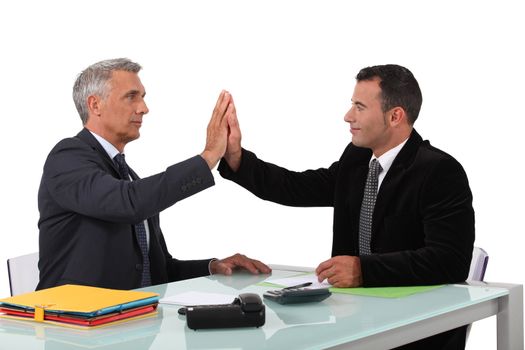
[[79, 300]]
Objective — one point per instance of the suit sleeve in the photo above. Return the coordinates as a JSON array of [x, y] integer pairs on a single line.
[[276, 184], [448, 229], [76, 179]]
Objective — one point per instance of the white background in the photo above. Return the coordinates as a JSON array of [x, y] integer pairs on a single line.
[[290, 66]]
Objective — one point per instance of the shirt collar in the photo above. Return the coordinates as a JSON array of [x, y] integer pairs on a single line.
[[387, 158], [111, 150]]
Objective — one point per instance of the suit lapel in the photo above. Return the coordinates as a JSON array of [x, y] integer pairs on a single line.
[[353, 166], [154, 229], [356, 189], [133, 174], [392, 179], [88, 138]]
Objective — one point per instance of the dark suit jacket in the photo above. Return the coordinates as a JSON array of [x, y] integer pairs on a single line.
[[423, 221], [87, 212]]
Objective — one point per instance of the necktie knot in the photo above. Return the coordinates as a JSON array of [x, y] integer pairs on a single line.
[[375, 168], [123, 169]]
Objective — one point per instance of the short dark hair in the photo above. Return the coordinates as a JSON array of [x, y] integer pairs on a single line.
[[399, 88]]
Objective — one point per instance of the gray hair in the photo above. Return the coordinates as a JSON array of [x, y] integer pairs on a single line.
[[94, 81]]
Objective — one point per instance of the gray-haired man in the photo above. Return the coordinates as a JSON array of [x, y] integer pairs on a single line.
[[99, 222]]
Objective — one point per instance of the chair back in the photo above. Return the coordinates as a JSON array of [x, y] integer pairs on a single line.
[[478, 264], [23, 273]]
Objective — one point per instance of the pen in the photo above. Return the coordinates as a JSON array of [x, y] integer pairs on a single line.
[[300, 285]]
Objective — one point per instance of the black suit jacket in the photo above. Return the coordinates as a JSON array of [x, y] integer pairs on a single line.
[[87, 214], [423, 221]]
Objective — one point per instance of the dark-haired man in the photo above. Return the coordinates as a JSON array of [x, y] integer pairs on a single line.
[[402, 209]]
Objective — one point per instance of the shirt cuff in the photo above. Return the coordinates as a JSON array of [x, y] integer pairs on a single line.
[[209, 265]]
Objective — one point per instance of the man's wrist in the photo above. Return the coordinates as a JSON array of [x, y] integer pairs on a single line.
[[211, 265], [210, 158], [359, 272], [234, 160]]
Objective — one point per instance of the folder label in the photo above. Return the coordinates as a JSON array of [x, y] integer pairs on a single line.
[[39, 313]]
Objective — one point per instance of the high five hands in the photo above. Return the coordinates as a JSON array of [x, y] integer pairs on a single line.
[[223, 135], [217, 131]]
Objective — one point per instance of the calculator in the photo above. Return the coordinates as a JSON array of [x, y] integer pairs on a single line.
[[297, 295]]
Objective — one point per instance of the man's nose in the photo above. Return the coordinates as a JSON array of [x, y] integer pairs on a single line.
[[142, 108], [349, 116]]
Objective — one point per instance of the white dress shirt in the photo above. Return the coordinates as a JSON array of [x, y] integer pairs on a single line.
[[386, 161]]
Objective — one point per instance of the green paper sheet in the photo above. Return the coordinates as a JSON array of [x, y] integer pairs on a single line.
[[380, 292], [385, 292]]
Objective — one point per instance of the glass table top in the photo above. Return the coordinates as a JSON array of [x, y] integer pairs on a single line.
[[339, 319]]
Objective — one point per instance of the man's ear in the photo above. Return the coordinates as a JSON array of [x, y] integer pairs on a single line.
[[94, 104], [397, 116]]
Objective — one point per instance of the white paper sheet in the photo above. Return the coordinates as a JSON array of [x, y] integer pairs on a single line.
[[198, 298], [300, 279]]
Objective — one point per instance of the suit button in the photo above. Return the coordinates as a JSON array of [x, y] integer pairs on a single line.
[[184, 188], [199, 180], [138, 267]]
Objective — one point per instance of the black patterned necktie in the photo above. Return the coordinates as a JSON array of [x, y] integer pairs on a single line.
[[367, 208], [140, 229]]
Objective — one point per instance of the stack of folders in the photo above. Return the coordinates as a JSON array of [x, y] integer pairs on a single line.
[[80, 306]]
